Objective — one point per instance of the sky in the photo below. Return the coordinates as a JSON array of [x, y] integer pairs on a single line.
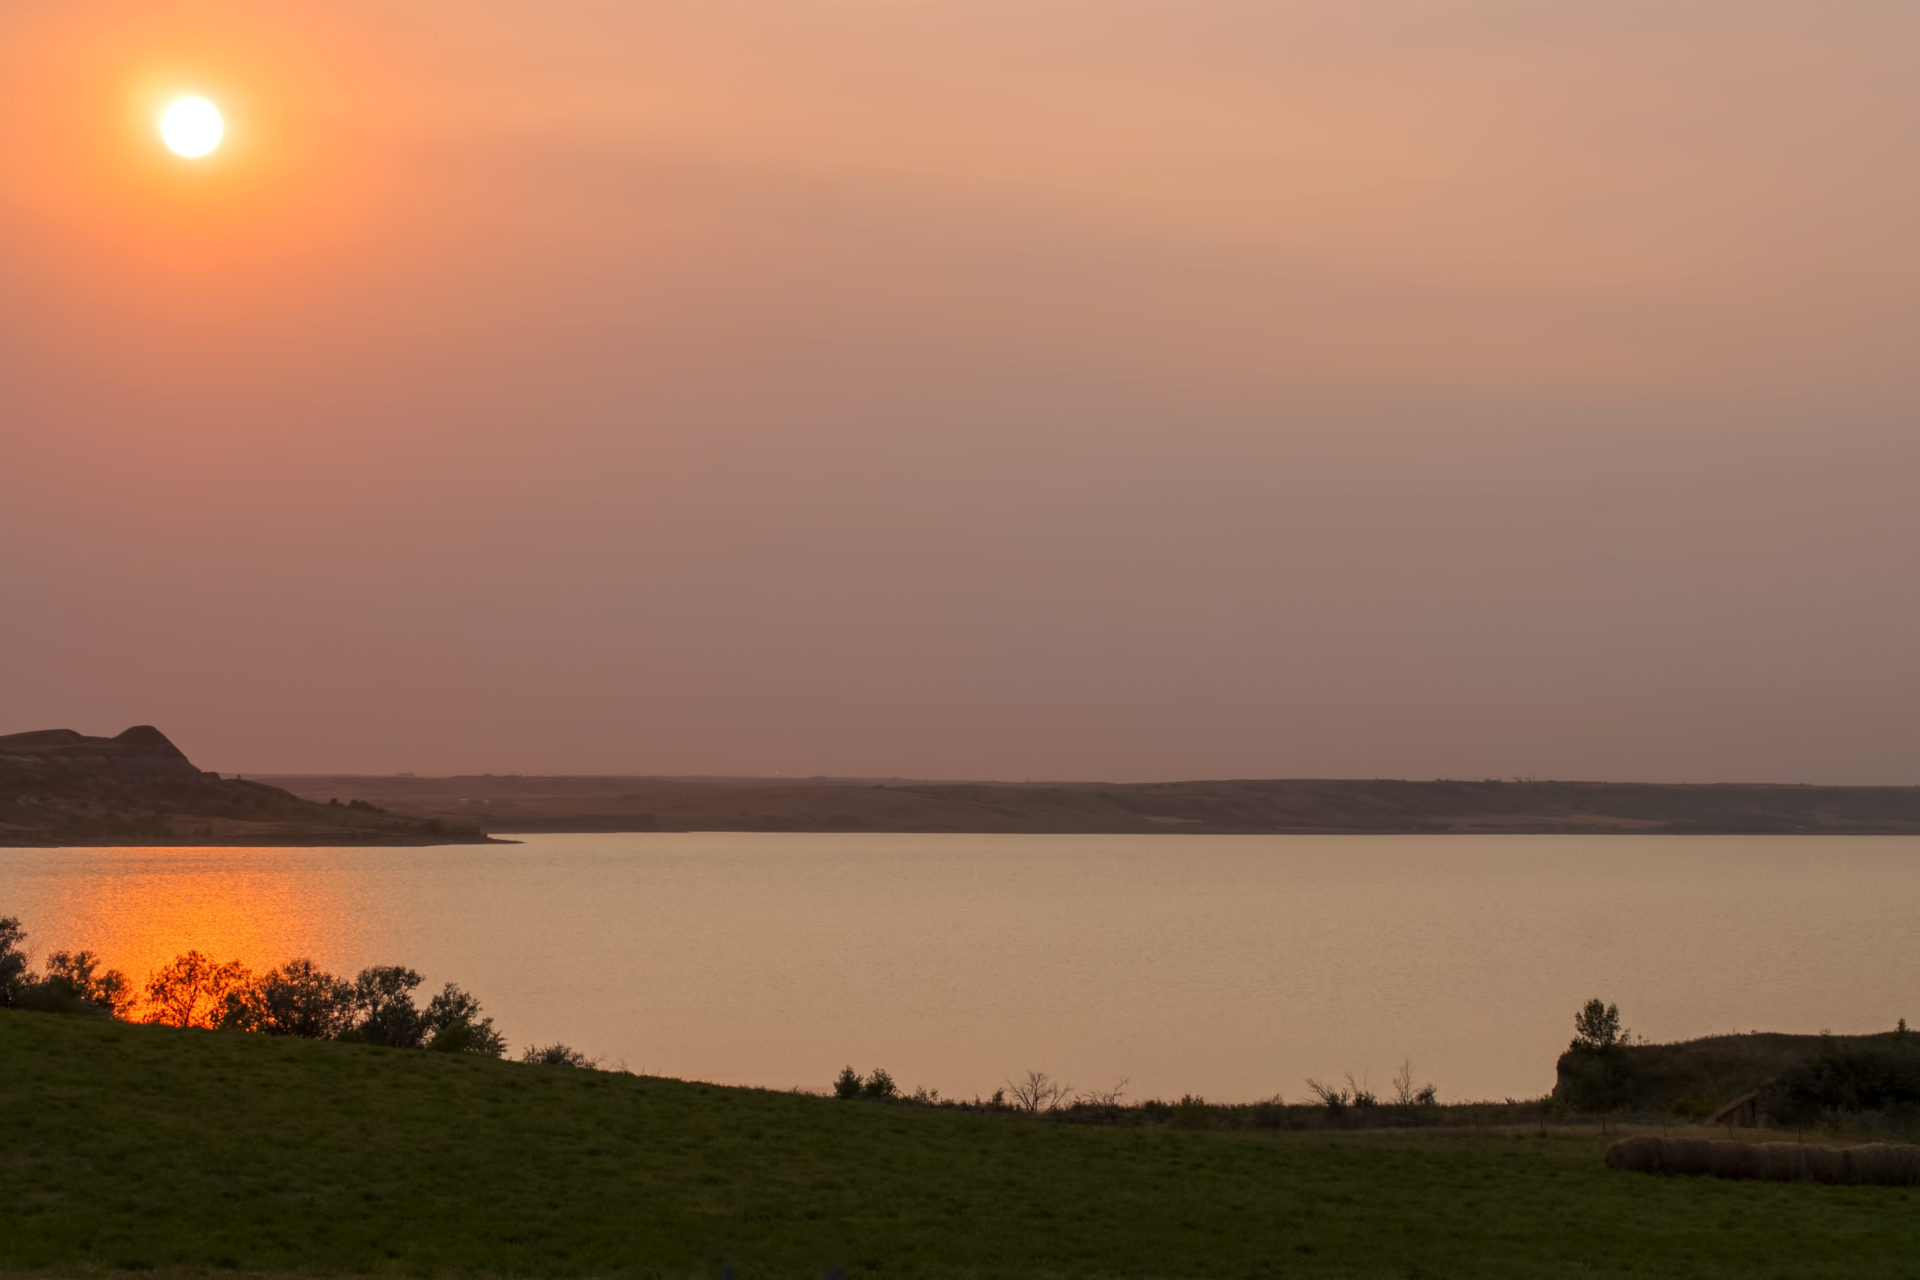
[[1124, 389]]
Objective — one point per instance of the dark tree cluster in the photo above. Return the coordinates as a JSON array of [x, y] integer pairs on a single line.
[[376, 1007], [73, 983], [298, 998], [1846, 1081], [877, 1085]]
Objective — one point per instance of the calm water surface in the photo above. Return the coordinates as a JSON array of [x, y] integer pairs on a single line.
[[1232, 967]]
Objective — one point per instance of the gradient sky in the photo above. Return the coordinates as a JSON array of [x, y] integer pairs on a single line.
[[969, 388]]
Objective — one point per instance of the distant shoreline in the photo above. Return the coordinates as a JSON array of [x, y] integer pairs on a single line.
[[528, 805]]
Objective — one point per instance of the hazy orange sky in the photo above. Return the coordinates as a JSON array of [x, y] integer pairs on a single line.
[[1052, 388]]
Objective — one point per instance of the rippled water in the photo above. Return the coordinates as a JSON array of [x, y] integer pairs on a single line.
[[1232, 967]]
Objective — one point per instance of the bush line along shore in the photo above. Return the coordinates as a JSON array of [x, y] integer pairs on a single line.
[[1865, 1083], [297, 999]]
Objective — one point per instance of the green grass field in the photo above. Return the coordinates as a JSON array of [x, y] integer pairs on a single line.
[[131, 1147]]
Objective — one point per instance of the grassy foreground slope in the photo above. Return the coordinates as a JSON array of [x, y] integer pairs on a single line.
[[129, 1147]]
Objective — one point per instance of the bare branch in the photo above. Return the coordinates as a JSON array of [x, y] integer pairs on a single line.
[[1038, 1093]]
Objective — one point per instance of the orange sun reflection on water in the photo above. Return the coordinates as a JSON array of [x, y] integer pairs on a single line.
[[139, 908]]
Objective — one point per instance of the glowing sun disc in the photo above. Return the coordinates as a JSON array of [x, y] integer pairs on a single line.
[[191, 127]]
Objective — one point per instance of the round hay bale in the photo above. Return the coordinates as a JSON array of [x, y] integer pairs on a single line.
[[1781, 1161], [1635, 1155], [1733, 1160], [1692, 1156], [1825, 1164], [1904, 1163], [1882, 1164], [1859, 1163], [1875, 1164]]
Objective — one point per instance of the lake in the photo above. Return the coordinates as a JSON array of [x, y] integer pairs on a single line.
[[1233, 967]]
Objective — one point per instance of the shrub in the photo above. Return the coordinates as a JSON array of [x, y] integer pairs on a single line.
[[879, 1085], [1191, 1112], [1332, 1098], [457, 1025], [464, 1037], [1107, 1099], [847, 1083], [383, 997], [556, 1055], [297, 999]]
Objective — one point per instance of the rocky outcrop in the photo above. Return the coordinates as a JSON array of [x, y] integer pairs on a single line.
[[59, 787]]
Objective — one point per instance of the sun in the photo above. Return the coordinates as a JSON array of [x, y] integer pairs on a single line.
[[192, 127]]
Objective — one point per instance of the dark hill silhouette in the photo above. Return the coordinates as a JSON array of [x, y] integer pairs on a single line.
[[58, 787], [532, 803], [1747, 1078]]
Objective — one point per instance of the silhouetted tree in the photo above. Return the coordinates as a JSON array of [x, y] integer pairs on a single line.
[[1595, 1074], [1404, 1094], [879, 1085], [74, 983], [383, 997], [191, 990], [297, 999], [457, 1026], [1038, 1092], [13, 961], [1597, 1027], [847, 1083]]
